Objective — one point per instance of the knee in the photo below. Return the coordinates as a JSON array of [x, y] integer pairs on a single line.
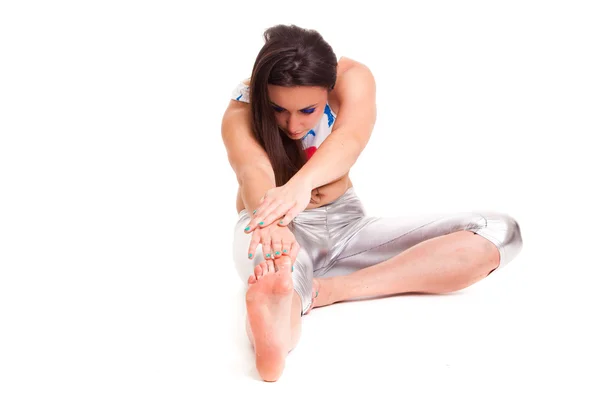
[[514, 240], [505, 232], [510, 232]]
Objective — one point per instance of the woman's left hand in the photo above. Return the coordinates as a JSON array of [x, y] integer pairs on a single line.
[[281, 204]]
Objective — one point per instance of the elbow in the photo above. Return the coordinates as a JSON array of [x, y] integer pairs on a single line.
[[357, 146]]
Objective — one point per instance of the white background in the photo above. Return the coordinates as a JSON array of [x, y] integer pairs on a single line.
[[117, 202]]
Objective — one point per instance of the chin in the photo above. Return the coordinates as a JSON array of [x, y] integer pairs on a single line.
[[297, 137]]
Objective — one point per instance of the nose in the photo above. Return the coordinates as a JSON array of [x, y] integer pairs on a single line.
[[293, 124]]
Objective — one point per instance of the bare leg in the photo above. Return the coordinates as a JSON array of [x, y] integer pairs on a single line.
[[439, 265], [273, 316]]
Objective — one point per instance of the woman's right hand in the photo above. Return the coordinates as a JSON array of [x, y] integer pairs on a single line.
[[276, 241]]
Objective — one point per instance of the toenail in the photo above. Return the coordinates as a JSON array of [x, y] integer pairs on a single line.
[[285, 251], [261, 223], [317, 295], [247, 228], [277, 253], [249, 255], [268, 255], [292, 268]]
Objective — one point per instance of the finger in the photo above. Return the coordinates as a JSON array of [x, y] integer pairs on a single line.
[[277, 210], [277, 247], [264, 205], [278, 214], [289, 216], [266, 248], [256, 221], [270, 214], [253, 245], [255, 215]]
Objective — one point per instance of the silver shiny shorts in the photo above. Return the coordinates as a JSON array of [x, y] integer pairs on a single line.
[[339, 238]]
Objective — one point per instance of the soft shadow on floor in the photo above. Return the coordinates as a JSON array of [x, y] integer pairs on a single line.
[[246, 361]]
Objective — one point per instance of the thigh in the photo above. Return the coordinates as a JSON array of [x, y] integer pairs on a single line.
[[385, 237], [303, 267]]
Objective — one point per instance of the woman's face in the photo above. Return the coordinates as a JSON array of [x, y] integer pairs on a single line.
[[297, 109]]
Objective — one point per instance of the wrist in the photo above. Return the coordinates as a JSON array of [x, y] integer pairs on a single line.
[[304, 177]]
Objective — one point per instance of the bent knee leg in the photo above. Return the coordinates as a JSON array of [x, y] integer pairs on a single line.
[[503, 231]]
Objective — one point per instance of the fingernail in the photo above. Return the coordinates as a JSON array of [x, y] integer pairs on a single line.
[[249, 255], [247, 228]]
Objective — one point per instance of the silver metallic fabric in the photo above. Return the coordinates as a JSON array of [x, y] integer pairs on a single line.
[[339, 238]]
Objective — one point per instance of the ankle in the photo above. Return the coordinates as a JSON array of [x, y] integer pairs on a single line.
[[330, 290]]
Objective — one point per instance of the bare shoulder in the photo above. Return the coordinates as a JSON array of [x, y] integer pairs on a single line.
[[236, 112], [354, 79], [347, 63], [352, 73]]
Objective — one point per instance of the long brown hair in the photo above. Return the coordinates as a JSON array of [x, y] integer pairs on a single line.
[[291, 56]]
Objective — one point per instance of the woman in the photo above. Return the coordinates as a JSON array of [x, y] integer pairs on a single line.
[[292, 133]]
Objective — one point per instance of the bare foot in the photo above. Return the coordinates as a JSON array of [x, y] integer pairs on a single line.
[[269, 304], [322, 293]]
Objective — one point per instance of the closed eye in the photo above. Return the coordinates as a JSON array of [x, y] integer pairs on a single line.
[[304, 111]]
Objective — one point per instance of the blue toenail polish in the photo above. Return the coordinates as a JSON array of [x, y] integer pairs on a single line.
[[277, 253], [253, 212], [292, 268], [247, 229], [249, 255], [285, 251], [261, 223], [317, 295], [269, 255]]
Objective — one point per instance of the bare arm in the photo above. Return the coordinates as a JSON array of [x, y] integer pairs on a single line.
[[247, 158], [356, 116], [351, 132]]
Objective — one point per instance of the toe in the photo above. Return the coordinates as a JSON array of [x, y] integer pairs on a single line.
[[252, 280], [315, 289], [270, 267], [258, 271]]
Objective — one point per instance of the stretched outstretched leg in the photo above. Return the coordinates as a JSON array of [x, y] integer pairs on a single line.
[[276, 297], [273, 316]]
